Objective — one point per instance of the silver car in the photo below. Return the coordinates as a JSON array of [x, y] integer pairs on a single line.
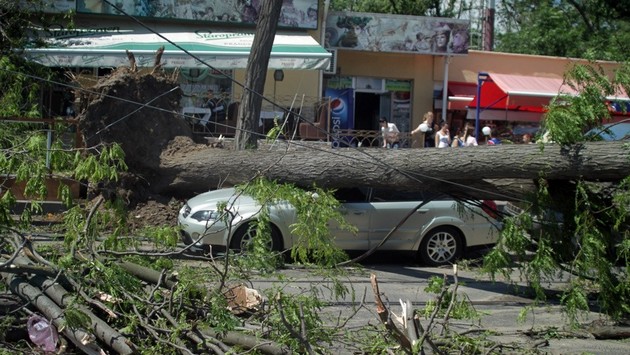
[[439, 232]]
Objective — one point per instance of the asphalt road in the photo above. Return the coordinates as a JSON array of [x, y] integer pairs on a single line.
[[545, 329], [499, 303]]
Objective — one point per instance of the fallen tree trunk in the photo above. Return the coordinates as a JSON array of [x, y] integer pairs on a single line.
[[164, 160], [447, 170]]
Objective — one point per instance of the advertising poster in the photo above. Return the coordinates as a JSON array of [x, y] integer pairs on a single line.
[[341, 114], [397, 33], [294, 13]]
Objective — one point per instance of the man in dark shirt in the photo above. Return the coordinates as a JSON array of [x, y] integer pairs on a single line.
[[216, 105]]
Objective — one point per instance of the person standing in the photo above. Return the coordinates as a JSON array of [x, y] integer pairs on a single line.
[[217, 110], [390, 134], [429, 133], [490, 140], [469, 138], [442, 137], [458, 138]]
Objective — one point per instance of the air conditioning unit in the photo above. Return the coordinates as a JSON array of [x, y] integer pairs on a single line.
[[332, 67]]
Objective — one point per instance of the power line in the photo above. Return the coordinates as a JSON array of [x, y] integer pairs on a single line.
[[370, 158]]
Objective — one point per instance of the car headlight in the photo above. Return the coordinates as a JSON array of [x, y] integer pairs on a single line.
[[185, 211], [203, 216]]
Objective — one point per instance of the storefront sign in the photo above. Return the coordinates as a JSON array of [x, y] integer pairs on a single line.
[[397, 85], [341, 82], [397, 33]]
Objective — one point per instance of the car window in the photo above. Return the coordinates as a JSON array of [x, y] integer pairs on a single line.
[[611, 131], [353, 194], [383, 195]]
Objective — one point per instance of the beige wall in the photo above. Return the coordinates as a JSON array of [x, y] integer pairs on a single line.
[[299, 88]]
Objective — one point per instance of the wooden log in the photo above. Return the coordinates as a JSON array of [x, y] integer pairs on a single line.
[[52, 312], [99, 328]]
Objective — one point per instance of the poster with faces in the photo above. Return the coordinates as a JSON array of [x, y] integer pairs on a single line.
[[295, 13]]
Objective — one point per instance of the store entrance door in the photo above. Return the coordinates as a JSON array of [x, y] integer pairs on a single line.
[[368, 108]]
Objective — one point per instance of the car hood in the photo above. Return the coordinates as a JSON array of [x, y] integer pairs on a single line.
[[209, 200]]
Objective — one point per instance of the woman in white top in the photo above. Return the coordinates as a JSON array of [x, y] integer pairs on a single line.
[[443, 137], [469, 139], [390, 134], [429, 134]]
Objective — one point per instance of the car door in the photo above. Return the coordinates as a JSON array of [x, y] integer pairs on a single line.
[[389, 209], [356, 211]]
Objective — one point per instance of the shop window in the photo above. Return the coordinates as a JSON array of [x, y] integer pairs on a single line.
[[369, 84]]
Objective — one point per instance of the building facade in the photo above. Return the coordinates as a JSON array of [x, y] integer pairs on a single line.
[[362, 66]]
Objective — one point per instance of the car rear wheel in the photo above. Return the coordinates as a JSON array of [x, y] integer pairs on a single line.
[[245, 234], [441, 246]]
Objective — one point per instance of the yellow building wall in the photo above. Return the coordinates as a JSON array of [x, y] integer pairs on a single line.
[[465, 68], [299, 88]]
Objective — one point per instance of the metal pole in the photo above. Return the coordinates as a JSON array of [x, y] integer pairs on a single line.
[[49, 137], [322, 40], [445, 88], [481, 77]]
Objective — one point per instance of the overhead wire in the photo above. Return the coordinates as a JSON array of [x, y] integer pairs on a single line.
[[369, 158], [418, 177]]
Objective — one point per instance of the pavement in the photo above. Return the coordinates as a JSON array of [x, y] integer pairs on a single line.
[[544, 329]]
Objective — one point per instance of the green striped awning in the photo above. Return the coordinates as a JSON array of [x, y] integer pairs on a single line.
[[221, 50]]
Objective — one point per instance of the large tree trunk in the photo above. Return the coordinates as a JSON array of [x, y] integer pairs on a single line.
[[163, 159], [249, 111], [444, 170]]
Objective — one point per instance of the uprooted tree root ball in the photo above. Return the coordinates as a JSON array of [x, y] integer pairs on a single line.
[[141, 113]]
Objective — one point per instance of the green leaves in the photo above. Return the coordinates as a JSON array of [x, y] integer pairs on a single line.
[[102, 167], [315, 209], [586, 29], [570, 116], [577, 230]]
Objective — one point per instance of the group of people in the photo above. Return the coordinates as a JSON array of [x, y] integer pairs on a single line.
[[435, 134]]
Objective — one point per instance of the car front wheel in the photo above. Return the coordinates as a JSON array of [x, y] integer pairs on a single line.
[[441, 246], [244, 236]]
